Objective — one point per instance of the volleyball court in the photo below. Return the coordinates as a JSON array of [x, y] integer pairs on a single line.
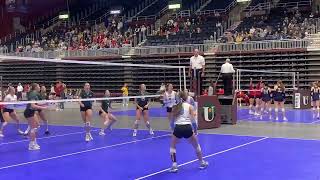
[[71, 148]]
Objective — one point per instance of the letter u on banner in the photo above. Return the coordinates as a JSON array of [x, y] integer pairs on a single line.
[[206, 113]]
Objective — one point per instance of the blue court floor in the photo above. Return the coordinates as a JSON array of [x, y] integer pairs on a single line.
[[118, 156], [293, 115]]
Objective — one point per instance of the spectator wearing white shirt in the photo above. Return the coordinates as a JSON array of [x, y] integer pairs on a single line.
[[227, 75], [19, 91], [196, 71]]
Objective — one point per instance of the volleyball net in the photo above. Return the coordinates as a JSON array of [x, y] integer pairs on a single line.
[[62, 81], [244, 77]]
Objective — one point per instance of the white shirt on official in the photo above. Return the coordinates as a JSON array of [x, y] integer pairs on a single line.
[[10, 98], [197, 62], [227, 68], [184, 118], [52, 90], [19, 88], [170, 99], [210, 91]]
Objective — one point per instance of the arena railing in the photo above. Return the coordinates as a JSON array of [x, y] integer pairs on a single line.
[[258, 45], [208, 47]]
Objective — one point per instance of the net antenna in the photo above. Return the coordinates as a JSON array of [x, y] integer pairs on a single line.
[[182, 69], [242, 75]]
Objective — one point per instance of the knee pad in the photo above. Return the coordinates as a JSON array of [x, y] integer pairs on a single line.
[[34, 130], [198, 149], [270, 109], [283, 110], [173, 150], [276, 110]]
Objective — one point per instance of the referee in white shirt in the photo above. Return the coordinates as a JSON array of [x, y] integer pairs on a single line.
[[227, 76], [196, 69]]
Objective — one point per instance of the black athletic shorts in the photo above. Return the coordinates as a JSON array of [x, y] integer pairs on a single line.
[[85, 108], [8, 110], [28, 113], [169, 109], [100, 112], [144, 109], [183, 131]]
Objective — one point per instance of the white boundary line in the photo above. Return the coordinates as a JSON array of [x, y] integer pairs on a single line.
[[208, 156], [48, 137], [81, 152]]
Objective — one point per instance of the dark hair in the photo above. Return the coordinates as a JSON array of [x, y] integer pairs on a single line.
[[176, 109], [34, 86]]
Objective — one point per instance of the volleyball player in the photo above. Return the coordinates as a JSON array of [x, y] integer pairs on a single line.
[[192, 102], [142, 109], [108, 119], [254, 98], [266, 99], [183, 114], [279, 99], [169, 100], [40, 113], [86, 110], [315, 93], [9, 111], [30, 115]]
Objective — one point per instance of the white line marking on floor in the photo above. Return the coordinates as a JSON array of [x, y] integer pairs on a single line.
[[81, 152], [48, 137], [208, 156]]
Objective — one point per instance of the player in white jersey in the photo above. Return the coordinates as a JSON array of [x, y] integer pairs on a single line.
[[169, 100], [193, 103], [9, 111], [183, 114]]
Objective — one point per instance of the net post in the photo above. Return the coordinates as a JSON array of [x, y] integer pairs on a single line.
[[233, 83], [294, 80], [239, 79], [1, 84], [298, 80], [184, 78], [180, 83]]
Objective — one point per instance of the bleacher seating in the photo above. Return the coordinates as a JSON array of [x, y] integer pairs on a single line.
[[191, 35]]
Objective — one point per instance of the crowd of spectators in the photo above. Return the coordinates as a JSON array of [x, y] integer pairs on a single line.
[[114, 33], [293, 25], [111, 34]]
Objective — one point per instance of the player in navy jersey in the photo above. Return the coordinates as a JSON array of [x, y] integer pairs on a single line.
[[142, 110], [279, 97], [266, 97], [315, 93]]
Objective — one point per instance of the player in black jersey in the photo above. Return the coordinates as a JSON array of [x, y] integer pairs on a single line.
[[86, 110], [142, 109], [108, 119]]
